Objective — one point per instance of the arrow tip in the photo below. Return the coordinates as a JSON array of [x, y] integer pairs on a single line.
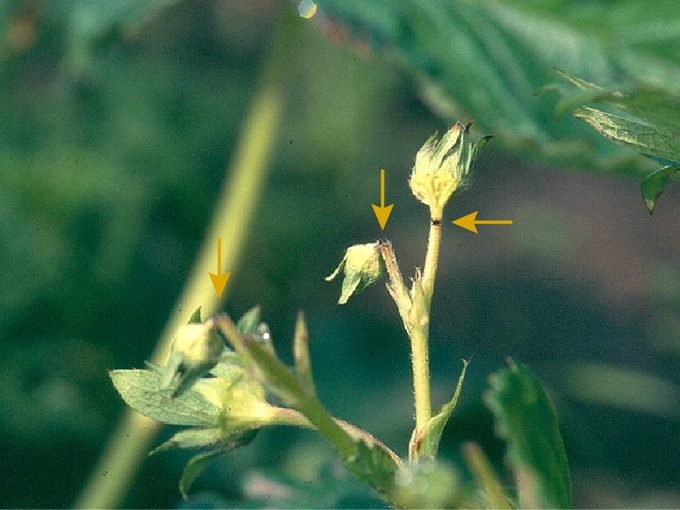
[[382, 213], [468, 222], [219, 281]]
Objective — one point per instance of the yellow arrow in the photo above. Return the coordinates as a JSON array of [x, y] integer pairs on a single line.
[[469, 222], [219, 280], [382, 212]]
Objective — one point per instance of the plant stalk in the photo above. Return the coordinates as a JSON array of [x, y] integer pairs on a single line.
[[432, 259], [421, 296]]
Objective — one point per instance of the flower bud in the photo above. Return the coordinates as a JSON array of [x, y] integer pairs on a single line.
[[443, 167], [196, 350], [363, 265]]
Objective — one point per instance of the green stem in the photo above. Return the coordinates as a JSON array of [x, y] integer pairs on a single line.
[[129, 443], [421, 296], [288, 386], [432, 258], [420, 360]]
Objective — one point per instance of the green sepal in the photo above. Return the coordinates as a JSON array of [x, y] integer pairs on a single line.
[[363, 265], [526, 419], [194, 468], [190, 438], [424, 445], [247, 324]]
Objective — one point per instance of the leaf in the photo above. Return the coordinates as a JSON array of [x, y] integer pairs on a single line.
[[485, 59], [526, 419], [647, 120], [373, 464], [426, 443], [646, 138], [654, 184], [140, 390], [194, 468]]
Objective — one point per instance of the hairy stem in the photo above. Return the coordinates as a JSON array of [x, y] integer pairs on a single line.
[[420, 357], [432, 259]]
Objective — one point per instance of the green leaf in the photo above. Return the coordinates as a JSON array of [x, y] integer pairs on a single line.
[[526, 419], [190, 438], [654, 184], [646, 138], [645, 119], [426, 443], [194, 468], [485, 59], [374, 465], [140, 390]]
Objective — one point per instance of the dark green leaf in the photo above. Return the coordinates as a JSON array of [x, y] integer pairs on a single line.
[[194, 468], [526, 419], [654, 184]]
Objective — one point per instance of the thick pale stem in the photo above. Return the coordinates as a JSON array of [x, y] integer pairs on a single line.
[[421, 374], [421, 296]]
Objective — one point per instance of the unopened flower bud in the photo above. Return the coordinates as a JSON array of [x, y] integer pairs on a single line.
[[443, 167], [196, 350], [363, 265]]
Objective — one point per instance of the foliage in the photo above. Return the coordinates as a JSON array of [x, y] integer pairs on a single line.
[[487, 59], [645, 119]]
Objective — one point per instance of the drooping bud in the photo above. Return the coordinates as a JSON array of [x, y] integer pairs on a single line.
[[362, 265], [443, 167]]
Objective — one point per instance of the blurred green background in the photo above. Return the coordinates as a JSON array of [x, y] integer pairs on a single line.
[[117, 121]]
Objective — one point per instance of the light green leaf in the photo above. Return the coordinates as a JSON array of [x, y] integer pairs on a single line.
[[140, 390], [654, 184], [426, 443], [194, 468], [526, 419]]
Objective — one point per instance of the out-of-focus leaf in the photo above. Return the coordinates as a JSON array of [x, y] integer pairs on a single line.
[[526, 419], [194, 468], [426, 443], [487, 58]]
